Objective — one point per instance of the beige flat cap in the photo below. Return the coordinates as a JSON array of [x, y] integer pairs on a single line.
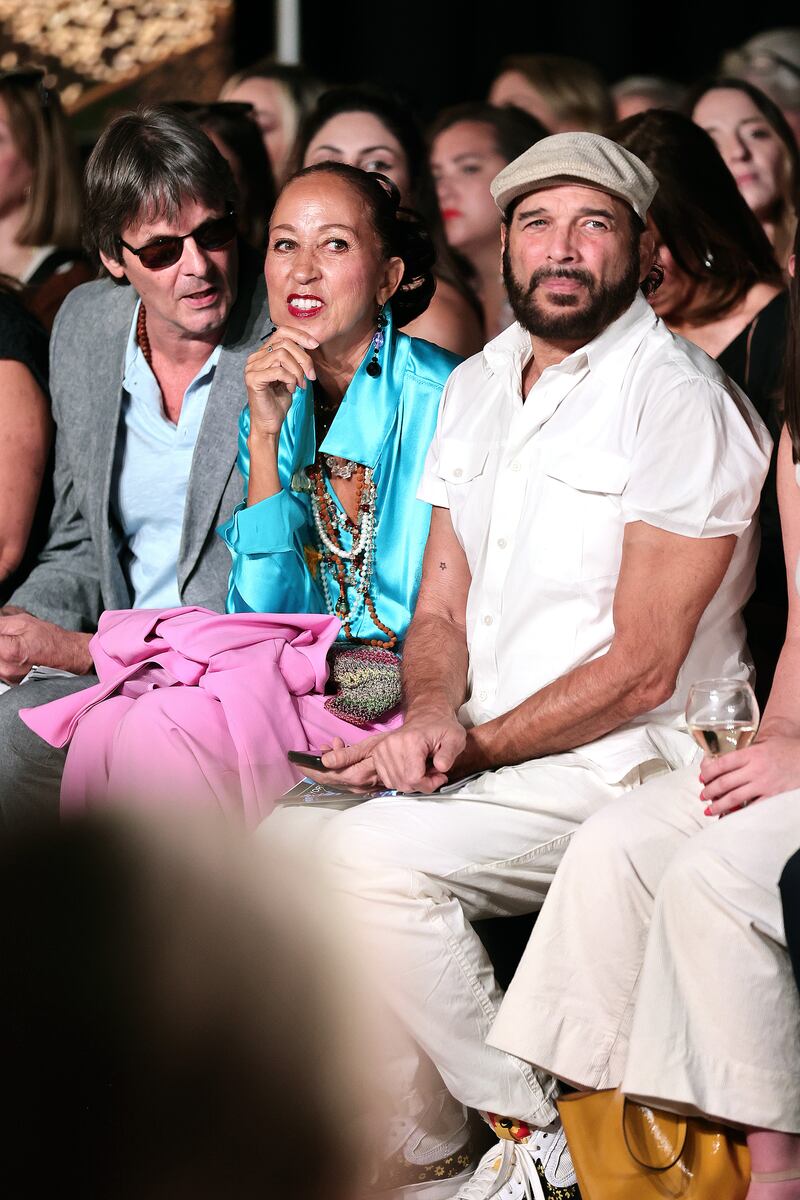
[[584, 158]]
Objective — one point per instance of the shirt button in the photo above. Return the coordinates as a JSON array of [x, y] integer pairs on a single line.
[[487, 620], [502, 543], [458, 472], [516, 466]]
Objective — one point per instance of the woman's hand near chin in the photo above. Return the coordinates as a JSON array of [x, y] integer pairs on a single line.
[[271, 376]]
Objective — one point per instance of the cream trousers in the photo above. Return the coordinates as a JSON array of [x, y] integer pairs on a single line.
[[659, 961], [415, 873]]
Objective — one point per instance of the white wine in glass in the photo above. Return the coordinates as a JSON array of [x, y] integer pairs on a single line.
[[722, 715]]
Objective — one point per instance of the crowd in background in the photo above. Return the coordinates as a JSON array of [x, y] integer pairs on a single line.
[[723, 286]]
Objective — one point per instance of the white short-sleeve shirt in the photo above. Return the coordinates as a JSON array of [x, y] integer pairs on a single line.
[[638, 425]]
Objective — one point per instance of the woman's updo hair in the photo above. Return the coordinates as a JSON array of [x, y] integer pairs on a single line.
[[401, 233]]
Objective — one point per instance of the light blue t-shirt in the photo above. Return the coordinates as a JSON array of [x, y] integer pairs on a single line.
[[152, 462]]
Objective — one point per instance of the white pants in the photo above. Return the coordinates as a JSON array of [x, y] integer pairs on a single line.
[[416, 872], [659, 962]]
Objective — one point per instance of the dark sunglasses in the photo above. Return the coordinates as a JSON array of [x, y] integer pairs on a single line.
[[165, 251]]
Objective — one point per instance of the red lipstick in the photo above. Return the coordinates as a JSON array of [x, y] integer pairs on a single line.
[[304, 305]]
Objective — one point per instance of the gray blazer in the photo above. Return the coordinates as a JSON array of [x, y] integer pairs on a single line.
[[78, 573]]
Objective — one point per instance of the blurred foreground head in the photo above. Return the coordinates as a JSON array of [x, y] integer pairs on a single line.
[[170, 1019]]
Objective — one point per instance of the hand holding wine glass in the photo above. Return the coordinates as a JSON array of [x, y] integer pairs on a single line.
[[722, 715]]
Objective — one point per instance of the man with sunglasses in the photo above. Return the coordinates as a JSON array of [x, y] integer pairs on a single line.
[[147, 383]]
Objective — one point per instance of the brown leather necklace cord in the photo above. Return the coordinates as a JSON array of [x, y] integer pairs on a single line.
[[141, 336]]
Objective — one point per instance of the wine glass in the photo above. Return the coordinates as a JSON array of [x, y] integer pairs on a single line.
[[722, 715]]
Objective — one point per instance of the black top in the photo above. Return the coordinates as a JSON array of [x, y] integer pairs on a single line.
[[23, 339], [755, 360]]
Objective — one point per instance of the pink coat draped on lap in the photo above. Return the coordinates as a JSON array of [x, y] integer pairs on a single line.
[[198, 708]]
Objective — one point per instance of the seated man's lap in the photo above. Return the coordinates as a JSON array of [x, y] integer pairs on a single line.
[[30, 769], [495, 842]]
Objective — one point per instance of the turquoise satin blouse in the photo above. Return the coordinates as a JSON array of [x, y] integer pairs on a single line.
[[387, 424]]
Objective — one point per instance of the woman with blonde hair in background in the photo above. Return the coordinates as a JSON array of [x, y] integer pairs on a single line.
[[40, 194], [281, 94], [563, 93]]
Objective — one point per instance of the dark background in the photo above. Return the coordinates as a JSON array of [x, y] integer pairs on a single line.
[[440, 52]]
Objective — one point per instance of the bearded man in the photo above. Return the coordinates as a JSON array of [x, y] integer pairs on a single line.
[[594, 482]]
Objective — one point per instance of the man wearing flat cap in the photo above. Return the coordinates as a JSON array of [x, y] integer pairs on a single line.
[[594, 482]]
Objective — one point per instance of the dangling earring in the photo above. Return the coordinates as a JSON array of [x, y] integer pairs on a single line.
[[374, 366], [708, 261]]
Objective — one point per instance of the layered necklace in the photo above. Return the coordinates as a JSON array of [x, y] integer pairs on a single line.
[[351, 568]]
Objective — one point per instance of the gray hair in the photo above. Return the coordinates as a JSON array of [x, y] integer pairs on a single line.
[[147, 165], [771, 61], [664, 93]]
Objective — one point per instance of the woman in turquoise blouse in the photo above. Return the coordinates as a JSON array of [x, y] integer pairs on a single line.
[[341, 410], [343, 270], [384, 423]]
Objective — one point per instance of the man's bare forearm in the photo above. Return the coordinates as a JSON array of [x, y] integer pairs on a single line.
[[664, 585], [588, 702], [434, 664]]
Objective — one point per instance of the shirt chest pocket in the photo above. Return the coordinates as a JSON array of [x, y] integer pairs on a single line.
[[579, 522], [463, 467]]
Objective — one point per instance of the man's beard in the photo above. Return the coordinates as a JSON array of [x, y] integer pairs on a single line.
[[575, 321]]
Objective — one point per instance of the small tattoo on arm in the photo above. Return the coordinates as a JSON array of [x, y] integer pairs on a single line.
[[442, 566]]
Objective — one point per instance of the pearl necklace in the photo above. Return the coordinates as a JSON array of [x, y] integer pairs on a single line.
[[354, 567]]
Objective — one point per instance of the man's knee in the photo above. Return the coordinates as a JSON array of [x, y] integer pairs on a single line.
[[352, 846], [30, 769], [17, 741]]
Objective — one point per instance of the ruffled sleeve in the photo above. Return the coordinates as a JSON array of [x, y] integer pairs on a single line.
[[273, 565]]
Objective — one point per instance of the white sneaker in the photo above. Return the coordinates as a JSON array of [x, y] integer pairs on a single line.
[[540, 1168], [429, 1158]]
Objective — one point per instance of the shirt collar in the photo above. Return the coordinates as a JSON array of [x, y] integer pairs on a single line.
[[139, 378], [511, 349]]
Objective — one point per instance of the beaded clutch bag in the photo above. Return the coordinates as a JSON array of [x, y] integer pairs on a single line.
[[366, 683]]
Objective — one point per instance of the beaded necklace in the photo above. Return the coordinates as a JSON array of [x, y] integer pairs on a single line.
[[141, 336], [353, 567]]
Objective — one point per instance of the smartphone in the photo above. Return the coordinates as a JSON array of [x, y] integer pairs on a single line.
[[301, 758]]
